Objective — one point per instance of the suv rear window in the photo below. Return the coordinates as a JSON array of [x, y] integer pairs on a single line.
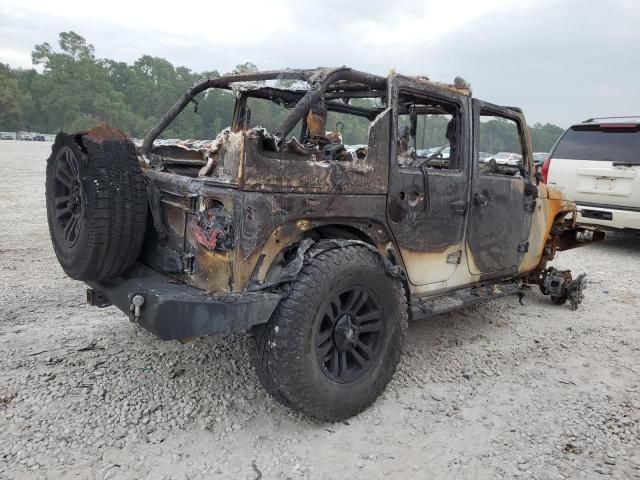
[[594, 142]]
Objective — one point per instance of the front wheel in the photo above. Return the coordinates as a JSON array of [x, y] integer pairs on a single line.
[[333, 344]]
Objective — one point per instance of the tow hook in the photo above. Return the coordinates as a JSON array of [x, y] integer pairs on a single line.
[[136, 302], [560, 285]]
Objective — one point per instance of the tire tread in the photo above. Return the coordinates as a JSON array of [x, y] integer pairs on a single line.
[[275, 358]]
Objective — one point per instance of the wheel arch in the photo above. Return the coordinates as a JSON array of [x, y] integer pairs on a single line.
[[285, 243]]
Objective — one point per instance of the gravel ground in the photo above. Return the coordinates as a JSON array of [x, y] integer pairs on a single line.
[[494, 391]]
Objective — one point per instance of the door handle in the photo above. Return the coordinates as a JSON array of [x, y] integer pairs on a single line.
[[427, 193], [480, 199]]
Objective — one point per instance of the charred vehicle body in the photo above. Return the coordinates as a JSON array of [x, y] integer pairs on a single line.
[[322, 248]]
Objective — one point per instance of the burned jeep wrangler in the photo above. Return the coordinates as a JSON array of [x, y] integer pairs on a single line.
[[335, 206]]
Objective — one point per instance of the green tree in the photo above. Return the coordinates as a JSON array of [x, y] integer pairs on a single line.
[[544, 136], [10, 102], [247, 67], [75, 87]]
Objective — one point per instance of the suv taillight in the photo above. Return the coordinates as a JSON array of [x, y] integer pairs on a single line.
[[545, 169]]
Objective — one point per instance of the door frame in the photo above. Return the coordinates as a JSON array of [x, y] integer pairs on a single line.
[[511, 113]]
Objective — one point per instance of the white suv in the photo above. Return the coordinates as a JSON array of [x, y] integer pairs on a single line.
[[597, 164]]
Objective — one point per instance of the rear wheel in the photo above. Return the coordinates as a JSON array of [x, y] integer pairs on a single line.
[[333, 344]]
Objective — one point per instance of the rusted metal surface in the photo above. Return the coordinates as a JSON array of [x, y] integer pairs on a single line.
[[290, 171], [104, 131]]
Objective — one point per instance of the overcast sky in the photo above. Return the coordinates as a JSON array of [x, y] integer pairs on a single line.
[[561, 61]]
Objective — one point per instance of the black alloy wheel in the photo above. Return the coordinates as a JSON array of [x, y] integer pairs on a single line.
[[349, 335], [334, 341], [68, 196]]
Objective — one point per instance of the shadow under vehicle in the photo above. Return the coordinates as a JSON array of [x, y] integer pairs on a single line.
[[321, 250]]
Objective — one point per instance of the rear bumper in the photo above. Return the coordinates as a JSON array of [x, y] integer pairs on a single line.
[[608, 217], [177, 311]]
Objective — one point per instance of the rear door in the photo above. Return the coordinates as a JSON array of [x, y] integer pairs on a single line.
[[598, 164], [502, 198]]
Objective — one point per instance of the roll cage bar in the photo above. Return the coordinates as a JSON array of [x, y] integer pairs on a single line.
[[334, 83]]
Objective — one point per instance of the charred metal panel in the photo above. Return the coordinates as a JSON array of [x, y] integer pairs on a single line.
[[256, 217], [158, 256], [542, 243], [186, 249], [173, 215], [498, 223], [230, 154], [271, 222], [265, 212], [217, 217], [501, 206], [213, 270], [164, 245], [291, 172], [431, 229]]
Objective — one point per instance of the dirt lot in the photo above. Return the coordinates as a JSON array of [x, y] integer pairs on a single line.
[[496, 391]]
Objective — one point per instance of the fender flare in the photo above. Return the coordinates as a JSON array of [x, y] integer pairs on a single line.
[[308, 248]]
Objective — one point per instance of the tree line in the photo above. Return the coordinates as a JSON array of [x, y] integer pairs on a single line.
[[73, 90]]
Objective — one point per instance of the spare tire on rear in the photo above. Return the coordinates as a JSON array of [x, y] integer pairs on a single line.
[[96, 204]]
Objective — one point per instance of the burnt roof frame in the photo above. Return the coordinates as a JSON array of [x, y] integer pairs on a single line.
[[320, 80], [293, 97]]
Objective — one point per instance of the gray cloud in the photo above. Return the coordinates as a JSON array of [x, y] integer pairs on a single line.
[[561, 64], [560, 61]]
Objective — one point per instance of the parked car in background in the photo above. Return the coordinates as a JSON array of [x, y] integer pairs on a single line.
[[597, 164], [539, 157], [24, 136], [484, 157], [507, 158], [7, 136], [38, 137]]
